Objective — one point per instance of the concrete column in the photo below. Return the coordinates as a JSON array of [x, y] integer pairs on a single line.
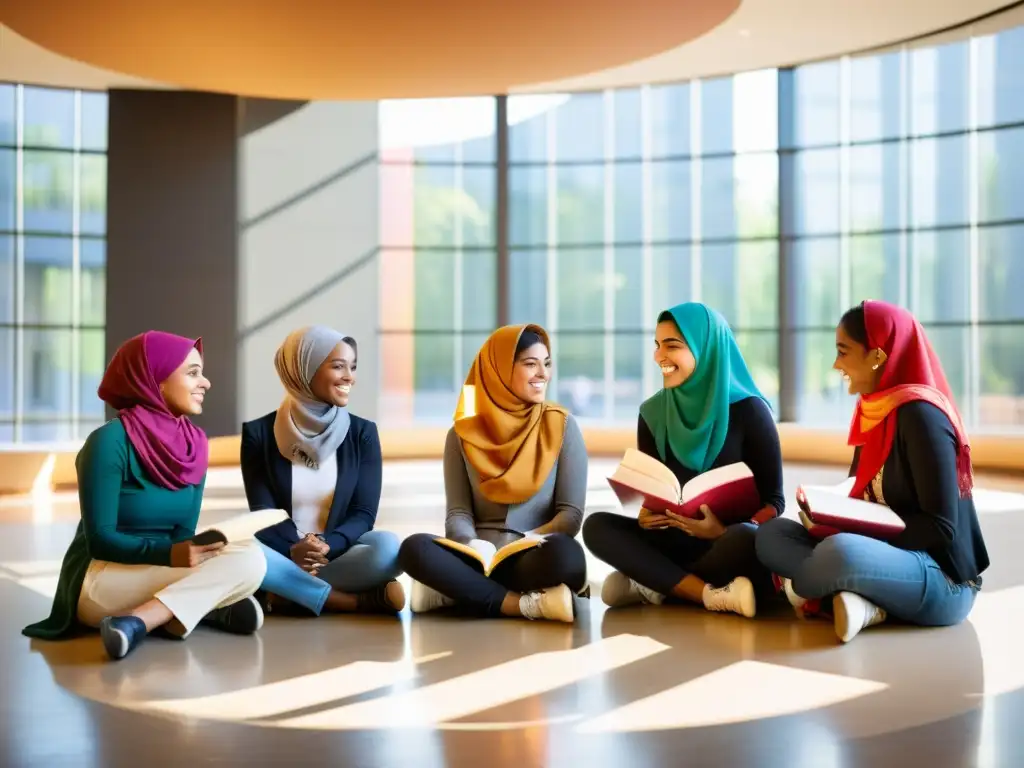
[[239, 220]]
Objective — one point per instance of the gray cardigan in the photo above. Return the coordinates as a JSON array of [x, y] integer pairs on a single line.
[[560, 500]]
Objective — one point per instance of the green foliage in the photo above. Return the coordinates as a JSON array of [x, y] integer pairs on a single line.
[[740, 279], [49, 175], [437, 212], [39, 135]]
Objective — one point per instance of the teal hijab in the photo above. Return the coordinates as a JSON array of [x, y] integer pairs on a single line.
[[693, 419]]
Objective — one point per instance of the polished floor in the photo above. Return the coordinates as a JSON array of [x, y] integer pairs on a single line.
[[636, 686]]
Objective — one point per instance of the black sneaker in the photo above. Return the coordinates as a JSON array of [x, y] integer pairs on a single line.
[[266, 604], [121, 635], [387, 598], [242, 618]]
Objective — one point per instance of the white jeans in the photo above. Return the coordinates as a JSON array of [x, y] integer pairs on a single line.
[[189, 593]]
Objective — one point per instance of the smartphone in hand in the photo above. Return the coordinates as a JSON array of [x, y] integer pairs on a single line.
[[211, 536]]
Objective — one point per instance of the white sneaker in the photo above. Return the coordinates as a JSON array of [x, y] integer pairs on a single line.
[[736, 596], [795, 600], [619, 590], [554, 604], [853, 613], [424, 598]]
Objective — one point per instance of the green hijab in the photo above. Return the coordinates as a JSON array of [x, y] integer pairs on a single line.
[[692, 420]]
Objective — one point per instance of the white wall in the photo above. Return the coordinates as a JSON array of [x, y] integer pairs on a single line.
[[308, 238]]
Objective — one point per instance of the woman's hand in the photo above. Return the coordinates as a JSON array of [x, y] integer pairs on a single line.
[[185, 554], [707, 527], [310, 553], [652, 521]]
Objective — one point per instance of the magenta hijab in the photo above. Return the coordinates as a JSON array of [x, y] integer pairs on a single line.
[[173, 451]]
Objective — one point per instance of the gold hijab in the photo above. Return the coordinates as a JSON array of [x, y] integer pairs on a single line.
[[513, 445]]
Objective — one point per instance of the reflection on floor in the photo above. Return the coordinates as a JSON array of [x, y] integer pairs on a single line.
[[641, 686]]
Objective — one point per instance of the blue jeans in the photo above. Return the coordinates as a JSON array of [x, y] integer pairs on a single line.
[[370, 562], [909, 585]]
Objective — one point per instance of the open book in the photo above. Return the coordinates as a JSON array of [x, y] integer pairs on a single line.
[[486, 555], [730, 491], [826, 511], [240, 527]]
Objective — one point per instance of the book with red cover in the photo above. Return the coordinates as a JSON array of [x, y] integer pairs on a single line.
[[827, 511], [730, 491]]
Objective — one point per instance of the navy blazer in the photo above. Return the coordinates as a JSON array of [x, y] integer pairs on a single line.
[[268, 484]]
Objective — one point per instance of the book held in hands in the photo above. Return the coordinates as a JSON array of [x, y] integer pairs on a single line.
[[239, 528], [730, 491], [485, 555], [826, 511]]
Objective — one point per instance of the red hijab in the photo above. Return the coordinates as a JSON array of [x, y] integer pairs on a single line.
[[912, 371], [173, 451]]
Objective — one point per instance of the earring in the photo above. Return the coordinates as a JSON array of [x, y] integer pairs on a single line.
[[874, 367]]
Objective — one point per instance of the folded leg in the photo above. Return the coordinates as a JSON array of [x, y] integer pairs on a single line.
[[188, 593], [371, 562]]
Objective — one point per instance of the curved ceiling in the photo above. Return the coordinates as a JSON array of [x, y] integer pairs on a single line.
[[310, 49], [22, 61], [760, 34], [777, 33]]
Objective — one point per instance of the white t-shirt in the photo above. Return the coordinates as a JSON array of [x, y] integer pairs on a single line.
[[312, 494]]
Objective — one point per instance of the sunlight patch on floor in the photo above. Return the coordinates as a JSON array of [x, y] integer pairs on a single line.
[[996, 502], [39, 576], [458, 697], [22, 568], [294, 694], [998, 619], [746, 690]]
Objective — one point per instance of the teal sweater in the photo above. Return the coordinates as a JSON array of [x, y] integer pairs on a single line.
[[126, 518]]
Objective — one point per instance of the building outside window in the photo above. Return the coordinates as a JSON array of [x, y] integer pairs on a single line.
[[780, 197], [861, 176], [53, 178]]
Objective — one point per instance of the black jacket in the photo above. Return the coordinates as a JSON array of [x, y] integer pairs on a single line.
[[919, 483], [268, 484]]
